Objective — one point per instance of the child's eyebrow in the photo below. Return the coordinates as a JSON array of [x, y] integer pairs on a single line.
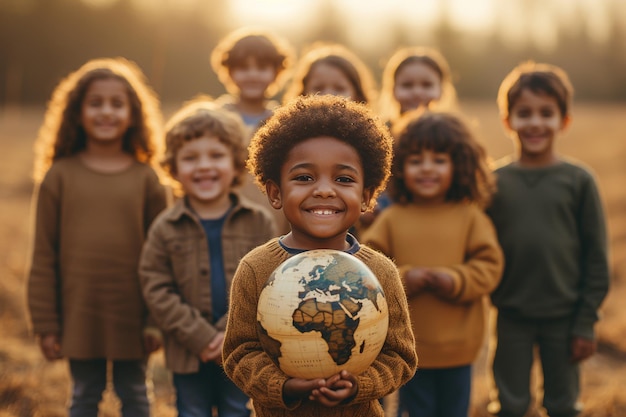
[[308, 165], [347, 167], [304, 165]]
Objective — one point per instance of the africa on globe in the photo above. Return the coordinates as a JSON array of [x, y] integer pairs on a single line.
[[322, 311]]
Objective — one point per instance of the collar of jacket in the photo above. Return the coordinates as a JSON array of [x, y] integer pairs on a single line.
[[181, 209]]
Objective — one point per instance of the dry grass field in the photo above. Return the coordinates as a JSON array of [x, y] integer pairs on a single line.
[[29, 386]]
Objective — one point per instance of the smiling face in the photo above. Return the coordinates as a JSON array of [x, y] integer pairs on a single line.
[[535, 121], [428, 176], [205, 170], [321, 193], [253, 79], [106, 112], [329, 79], [416, 84]]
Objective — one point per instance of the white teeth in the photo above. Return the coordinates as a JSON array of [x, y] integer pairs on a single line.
[[323, 212]]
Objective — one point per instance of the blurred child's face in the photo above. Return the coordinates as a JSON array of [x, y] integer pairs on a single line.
[[328, 79], [416, 84], [321, 192], [535, 120], [106, 112], [252, 79], [205, 169], [428, 176]]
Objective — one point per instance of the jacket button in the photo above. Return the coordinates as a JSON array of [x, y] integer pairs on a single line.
[[204, 271]]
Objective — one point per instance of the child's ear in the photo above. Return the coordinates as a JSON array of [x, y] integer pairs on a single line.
[[366, 200], [273, 194], [566, 122], [506, 123]]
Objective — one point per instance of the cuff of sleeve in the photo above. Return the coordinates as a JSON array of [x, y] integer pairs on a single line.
[[275, 390], [47, 328], [201, 338], [584, 329]]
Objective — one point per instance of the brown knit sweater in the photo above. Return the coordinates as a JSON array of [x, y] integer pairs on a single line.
[[255, 373], [89, 231], [455, 238]]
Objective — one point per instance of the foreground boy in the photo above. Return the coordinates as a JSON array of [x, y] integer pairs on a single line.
[[322, 160]]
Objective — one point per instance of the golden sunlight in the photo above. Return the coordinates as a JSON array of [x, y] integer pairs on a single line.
[[282, 14], [475, 15], [100, 3]]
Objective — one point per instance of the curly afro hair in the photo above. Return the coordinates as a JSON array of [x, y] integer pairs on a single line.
[[315, 116], [448, 133]]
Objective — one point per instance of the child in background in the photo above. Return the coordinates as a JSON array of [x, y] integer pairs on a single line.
[[192, 251], [322, 160], [253, 65], [332, 69], [97, 195], [550, 223], [447, 253], [416, 77], [413, 78]]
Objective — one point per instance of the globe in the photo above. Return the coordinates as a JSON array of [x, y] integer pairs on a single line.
[[322, 311]]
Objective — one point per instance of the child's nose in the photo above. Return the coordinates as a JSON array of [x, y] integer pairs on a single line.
[[324, 189], [205, 162], [107, 108], [428, 165]]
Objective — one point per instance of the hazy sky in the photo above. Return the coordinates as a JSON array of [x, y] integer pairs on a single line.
[[517, 22]]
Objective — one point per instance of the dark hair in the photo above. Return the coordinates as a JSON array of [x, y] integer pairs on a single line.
[[201, 117], [338, 57], [538, 78], [472, 179], [262, 45], [308, 117], [431, 57], [62, 135]]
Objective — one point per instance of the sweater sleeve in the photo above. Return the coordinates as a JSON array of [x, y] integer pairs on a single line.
[[44, 282], [594, 259], [397, 361], [244, 359], [171, 314], [481, 271]]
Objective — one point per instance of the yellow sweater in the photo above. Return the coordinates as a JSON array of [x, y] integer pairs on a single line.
[[255, 373], [456, 238]]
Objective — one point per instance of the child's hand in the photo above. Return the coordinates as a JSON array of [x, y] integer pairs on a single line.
[[152, 341], [417, 280], [213, 351], [297, 388], [442, 284], [581, 349], [50, 345], [337, 389]]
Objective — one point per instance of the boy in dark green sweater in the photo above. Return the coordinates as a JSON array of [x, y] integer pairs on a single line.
[[550, 224]]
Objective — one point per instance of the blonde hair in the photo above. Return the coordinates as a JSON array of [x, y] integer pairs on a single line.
[[389, 108], [61, 134], [198, 118], [258, 43], [340, 57]]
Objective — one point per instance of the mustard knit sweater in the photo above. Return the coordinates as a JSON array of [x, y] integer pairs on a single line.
[[455, 238], [255, 373]]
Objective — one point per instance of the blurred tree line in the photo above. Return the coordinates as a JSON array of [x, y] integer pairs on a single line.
[[41, 41]]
